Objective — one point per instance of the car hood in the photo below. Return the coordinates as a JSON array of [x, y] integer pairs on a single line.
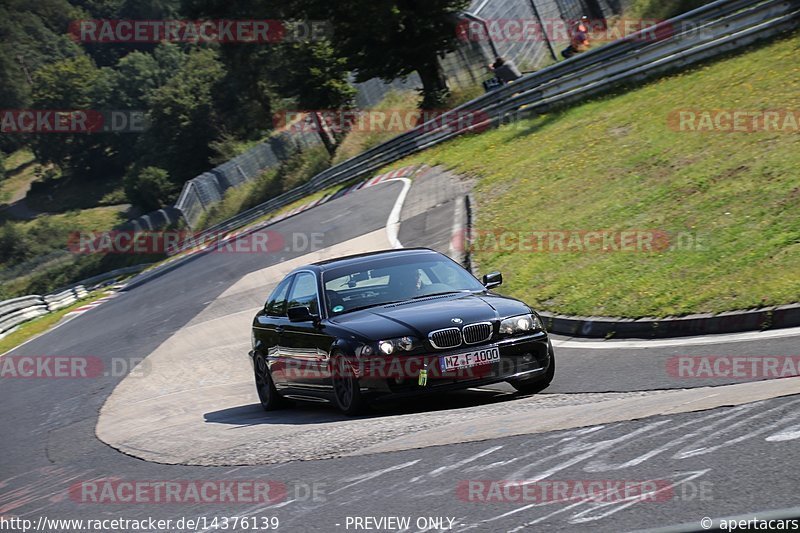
[[419, 317]]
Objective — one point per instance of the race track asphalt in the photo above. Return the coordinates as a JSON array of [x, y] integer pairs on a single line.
[[724, 461]]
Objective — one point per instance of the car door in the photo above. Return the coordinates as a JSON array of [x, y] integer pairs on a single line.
[[271, 323], [305, 344]]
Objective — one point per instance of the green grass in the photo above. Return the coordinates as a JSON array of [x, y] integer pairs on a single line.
[[360, 140], [271, 214], [21, 243], [462, 95], [52, 192], [65, 193], [659, 9], [20, 174], [614, 164], [92, 219]]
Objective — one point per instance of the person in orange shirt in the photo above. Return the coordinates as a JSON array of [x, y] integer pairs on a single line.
[[579, 41]]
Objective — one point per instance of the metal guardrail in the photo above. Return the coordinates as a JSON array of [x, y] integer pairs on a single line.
[[694, 36], [19, 310]]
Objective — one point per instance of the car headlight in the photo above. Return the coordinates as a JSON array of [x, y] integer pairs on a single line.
[[365, 350], [402, 344], [252, 339], [520, 324]]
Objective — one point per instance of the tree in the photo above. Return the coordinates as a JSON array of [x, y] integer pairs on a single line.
[[101, 9], [73, 84], [30, 37], [150, 189], [14, 244], [314, 75], [392, 38], [183, 121], [107, 54], [139, 74], [149, 9], [305, 74]]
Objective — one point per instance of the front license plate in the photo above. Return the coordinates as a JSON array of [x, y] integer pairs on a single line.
[[483, 356]]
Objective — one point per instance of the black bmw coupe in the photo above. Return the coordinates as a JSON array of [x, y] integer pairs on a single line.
[[392, 324]]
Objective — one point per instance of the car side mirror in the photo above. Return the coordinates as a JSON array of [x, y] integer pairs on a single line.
[[301, 314], [493, 279]]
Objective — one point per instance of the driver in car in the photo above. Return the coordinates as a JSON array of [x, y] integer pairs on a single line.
[[404, 284]]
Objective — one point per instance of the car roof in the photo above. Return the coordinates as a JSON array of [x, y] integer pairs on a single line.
[[353, 260]]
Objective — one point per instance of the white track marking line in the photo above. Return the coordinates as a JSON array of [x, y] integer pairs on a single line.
[[687, 341], [459, 464], [457, 231], [68, 317], [372, 475], [393, 223]]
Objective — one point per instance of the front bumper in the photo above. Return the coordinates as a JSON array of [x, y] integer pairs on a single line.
[[520, 358]]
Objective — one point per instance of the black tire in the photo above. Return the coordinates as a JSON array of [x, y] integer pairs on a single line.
[[537, 384], [346, 390], [268, 395]]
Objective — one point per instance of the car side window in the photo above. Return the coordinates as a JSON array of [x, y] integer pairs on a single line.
[[304, 292], [276, 304]]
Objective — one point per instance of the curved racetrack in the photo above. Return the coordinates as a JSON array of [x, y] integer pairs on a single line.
[[616, 410]]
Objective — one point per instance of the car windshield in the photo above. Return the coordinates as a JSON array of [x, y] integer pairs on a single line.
[[390, 280]]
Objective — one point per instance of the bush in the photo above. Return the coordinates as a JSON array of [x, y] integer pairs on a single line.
[[13, 244], [149, 188]]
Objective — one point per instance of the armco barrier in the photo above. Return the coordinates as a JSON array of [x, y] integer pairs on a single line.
[[18, 310]]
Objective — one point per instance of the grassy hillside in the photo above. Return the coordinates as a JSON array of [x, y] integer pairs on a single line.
[[615, 163], [659, 9], [19, 169]]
